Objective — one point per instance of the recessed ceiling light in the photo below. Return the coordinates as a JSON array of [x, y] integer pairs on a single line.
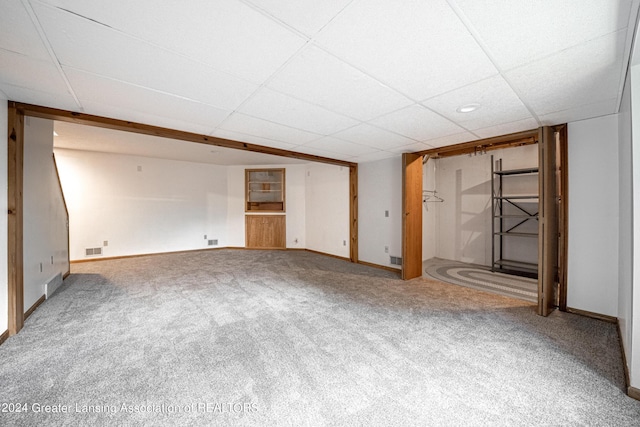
[[467, 108]]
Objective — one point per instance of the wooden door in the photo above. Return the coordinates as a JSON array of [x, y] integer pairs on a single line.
[[411, 216], [265, 231], [548, 222]]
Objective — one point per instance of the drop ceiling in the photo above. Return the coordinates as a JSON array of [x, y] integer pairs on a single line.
[[352, 80]]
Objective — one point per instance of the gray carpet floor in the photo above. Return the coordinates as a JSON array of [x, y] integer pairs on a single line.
[[482, 278], [291, 338]]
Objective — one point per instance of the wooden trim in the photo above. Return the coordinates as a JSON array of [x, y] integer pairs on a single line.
[[564, 217], [382, 267], [80, 261], [353, 213], [329, 255], [627, 378], [411, 216], [598, 316], [34, 306], [67, 274], [15, 165], [127, 126], [633, 392], [4, 336], [511, 140]]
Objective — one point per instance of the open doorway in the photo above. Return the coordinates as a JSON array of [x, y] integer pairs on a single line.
[[493, 216]]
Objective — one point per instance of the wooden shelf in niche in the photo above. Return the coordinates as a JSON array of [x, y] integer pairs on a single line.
[[265, 190]]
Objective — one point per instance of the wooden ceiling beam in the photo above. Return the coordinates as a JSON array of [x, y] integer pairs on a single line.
[[127, 126]]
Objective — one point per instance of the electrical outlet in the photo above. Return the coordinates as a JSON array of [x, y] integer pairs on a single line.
[[139, 168], [105, 243], [51, 259], [295, 240], [205, 237], [386, 214], [344, 243], [386, 249]]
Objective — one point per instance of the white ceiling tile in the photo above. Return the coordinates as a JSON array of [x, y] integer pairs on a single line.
[[498, 104], [323, 153], [417, 122], [76, 41], [372, 136], [380, 155], [251, 139], [100, 90], [137, 116], [582, 75], [306, 16], [276, 107], [238, 122], [507, 128], [602, 108], [411, 148], [226, 34], [18, 33], [34, 74], [451, 140], [334, 145], [321, 79], [36, 97], [518, 32], [418, 47]]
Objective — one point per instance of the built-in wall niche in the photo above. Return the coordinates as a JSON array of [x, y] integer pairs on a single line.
[[265, 190]]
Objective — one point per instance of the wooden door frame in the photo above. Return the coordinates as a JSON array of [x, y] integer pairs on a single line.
[[514, 140], [411, 218], [17, 112]]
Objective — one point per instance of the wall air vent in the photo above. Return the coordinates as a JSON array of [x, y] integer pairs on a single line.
[[213, 242], [93, 251], [395, 260]]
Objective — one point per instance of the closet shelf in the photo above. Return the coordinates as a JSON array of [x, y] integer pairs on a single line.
[[515, 234], [520, 197], [516, 171]]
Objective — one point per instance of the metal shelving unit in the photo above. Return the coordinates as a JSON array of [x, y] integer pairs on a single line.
[[510, 225]]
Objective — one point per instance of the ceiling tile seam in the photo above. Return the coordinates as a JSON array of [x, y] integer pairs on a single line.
[[257, 136], [49, 47], [173, 95], [275, 19], [485, 48], [340, 12], [414, 101], [146, 42], [630, 41], [21, 54], [265, 83], [581, 106]]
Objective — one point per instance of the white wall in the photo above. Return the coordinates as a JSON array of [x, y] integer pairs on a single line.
[[141, 205], [634, 363], [45, 221], [4, 287], [625, 206], [294, 204], [380, 190], [463, 220], [327, 209], [592, 271]]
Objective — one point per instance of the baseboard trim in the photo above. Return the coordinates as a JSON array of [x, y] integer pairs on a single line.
[[633, 392], [4, 336], [329, 255], [67, 274], [34, 306], [79, 261], [381, 267], [627, 378], [603, 317]]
